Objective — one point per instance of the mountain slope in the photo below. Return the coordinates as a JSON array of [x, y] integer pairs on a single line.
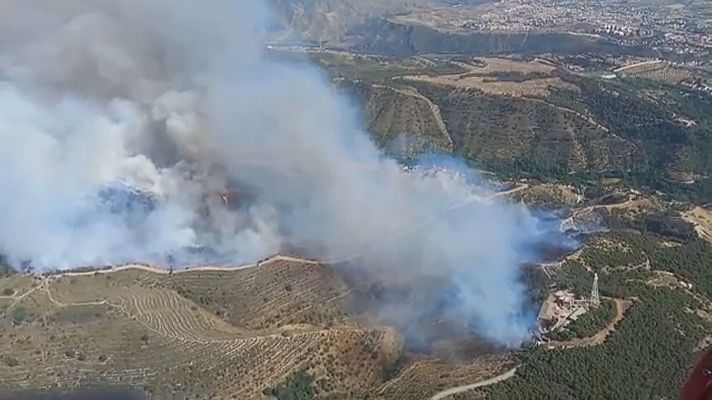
[[400, 117]]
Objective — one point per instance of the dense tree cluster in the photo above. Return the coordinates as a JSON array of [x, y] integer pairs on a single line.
[[298, 386], [691, 261], [646, 357], [667, 145], [518, 137], [654, 346]]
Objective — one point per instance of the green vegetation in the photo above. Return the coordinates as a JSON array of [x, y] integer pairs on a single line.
[[646, 357], [391, 113], [641, 133], [691, 261], [523, 137], [298, 386], [649, 353], [381, 69], [574, 276], [19, 315], [588, 324], [614, 283], [514, 76], [667, 224], [646, 113]]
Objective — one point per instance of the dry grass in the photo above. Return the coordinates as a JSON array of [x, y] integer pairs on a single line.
[[423, 378], [131, 328], [481, 76], [701, 218], [488, 65], [549, 193], [208, 334], [660, 72], [275, 294]]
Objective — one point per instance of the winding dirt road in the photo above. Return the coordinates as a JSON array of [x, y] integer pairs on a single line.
[[599, 337]]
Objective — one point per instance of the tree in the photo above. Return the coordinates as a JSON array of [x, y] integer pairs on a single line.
[[299, 386]]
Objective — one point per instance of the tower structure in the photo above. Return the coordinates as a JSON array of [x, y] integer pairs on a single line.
[[595, 298]]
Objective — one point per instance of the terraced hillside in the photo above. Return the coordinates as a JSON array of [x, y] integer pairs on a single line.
[[133, 328], [274, 295], [206, 333]]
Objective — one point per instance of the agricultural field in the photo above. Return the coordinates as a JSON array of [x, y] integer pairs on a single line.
[[500, 76], [131, 329]]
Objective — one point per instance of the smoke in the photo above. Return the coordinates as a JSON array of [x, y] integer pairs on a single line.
[[122, 122]]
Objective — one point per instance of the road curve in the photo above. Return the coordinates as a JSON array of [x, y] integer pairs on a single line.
[[467, 388]]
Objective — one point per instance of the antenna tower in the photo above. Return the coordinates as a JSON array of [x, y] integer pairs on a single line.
[[595, 298]]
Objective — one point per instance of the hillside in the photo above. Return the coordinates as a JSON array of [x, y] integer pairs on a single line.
[[385, 36], [294, 326], [524, 117], [173, 334], [457, 199], [193, 334], [499, 130], [329, 21], [401, 119]]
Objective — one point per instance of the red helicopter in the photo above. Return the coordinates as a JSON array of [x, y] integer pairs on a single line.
[[699, 385]]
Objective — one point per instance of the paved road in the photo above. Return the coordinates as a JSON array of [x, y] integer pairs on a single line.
[[467, 388]]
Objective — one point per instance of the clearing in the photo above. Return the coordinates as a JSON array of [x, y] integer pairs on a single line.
[[701, 218]]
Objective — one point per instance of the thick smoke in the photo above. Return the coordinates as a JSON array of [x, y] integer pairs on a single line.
[[122, 122]]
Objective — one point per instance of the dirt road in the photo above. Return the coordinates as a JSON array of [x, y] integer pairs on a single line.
[[467, 388], [164, 271], [433, 108], [622, 306]]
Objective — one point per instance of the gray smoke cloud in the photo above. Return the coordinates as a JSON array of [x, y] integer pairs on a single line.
[[121, 122]]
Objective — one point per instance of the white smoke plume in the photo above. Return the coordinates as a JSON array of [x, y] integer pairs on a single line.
[[122, 121]]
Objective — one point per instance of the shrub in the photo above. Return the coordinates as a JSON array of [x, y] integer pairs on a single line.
[[11, 361], [19, 315], [296, 387]]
